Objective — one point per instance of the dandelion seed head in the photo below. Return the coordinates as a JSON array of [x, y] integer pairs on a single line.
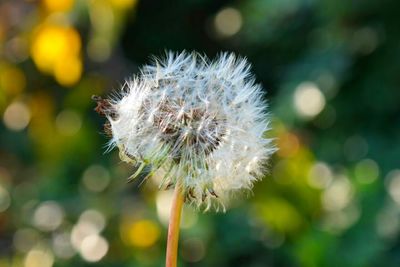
[[198, 123]]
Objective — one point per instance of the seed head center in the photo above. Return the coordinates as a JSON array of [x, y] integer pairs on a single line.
[[191, 128]]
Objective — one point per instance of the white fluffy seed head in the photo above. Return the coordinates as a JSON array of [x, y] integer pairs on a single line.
[[196, 122]]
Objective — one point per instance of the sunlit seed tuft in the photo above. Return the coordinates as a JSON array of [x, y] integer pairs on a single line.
[[196, 123]]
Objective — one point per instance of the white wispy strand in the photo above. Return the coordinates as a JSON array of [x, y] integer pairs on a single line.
[[198, 123]]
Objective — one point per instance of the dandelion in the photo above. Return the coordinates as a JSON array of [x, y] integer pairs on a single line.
[[198, 124]]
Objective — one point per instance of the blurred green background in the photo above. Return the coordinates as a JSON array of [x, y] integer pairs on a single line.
[[331, 70]]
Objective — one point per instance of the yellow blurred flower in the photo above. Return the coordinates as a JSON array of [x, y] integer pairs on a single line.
[[68, 71], [58, 5], [56, 50], [142, 233]]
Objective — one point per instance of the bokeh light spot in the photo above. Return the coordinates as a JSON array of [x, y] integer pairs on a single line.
[[68, 122], [364, 40], [308, 100], [55, 50], [68, 71], [80, 231], [338, 195], [96, 178], [62, 246], [142, 233], [48, 216], [193, 249], [336, 221], [94, 248], [52, 44], [95, 218], [17, 116], [388, 222], [39, 258], [366, 171], [320, 176], [228, 22], [163, 203], [91, 222]]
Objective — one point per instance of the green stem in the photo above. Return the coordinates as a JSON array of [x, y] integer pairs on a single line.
[[173, 228]]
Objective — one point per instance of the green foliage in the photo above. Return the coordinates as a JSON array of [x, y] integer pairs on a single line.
[[331, 73]]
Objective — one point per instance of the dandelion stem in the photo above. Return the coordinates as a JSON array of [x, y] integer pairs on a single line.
[[173, 228]]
